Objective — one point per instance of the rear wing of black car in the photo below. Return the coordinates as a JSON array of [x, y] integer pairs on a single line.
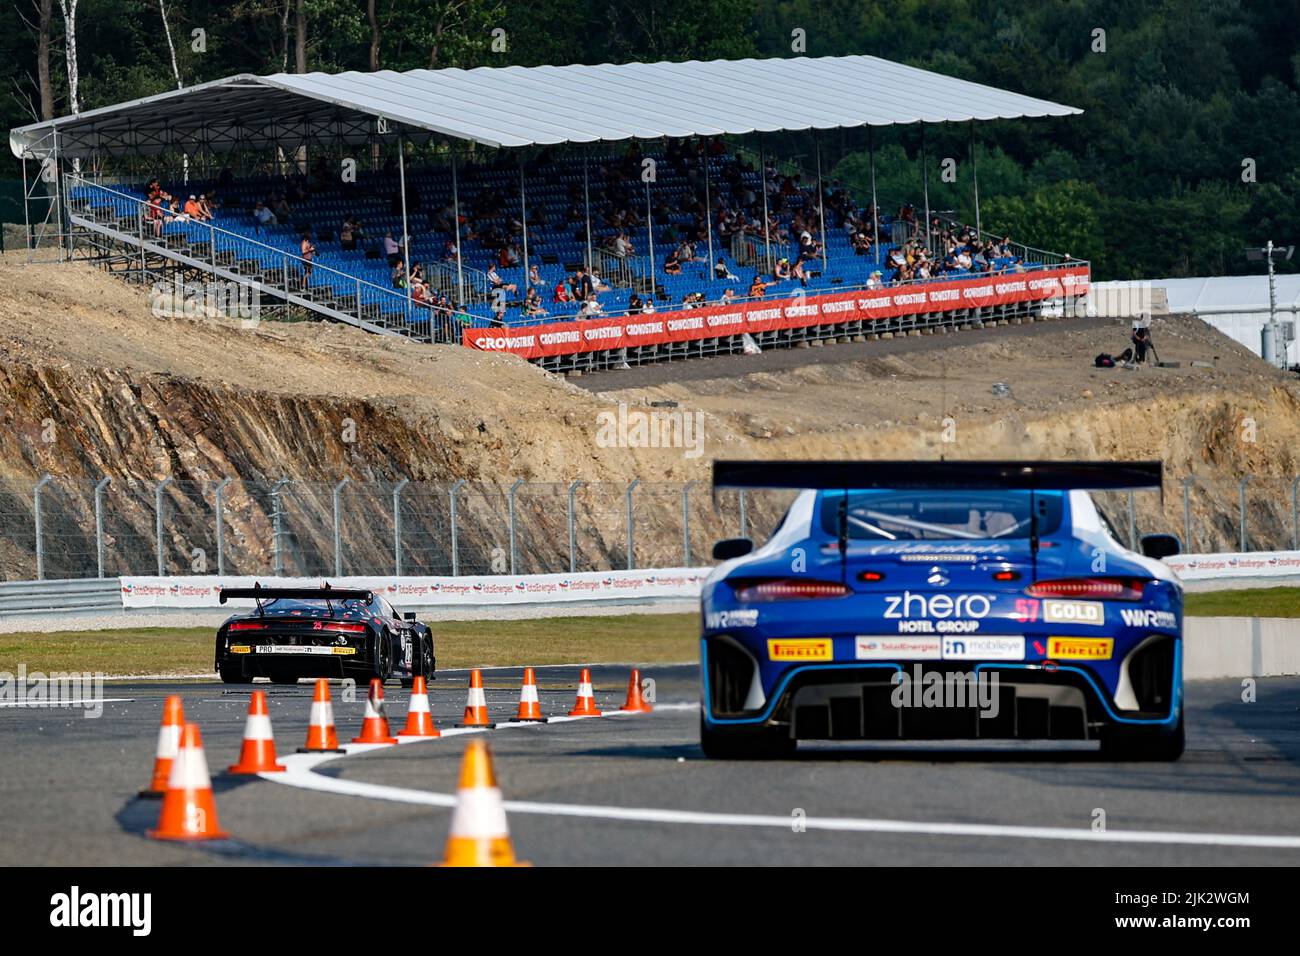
[[938, 475], [258, 593]]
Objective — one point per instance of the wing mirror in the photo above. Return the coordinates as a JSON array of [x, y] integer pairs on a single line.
[[408, 615], [729, 548], [1160, 546]]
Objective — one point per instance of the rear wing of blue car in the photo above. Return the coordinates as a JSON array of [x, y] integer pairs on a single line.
[[938, 475]]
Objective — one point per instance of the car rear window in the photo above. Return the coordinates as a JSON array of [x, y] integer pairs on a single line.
[[285, 605], [941, 515]]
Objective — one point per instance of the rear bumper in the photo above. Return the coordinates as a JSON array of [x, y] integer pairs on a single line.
[[976, 700]]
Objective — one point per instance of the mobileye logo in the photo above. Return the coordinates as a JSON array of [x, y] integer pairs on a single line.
[[908, 605]]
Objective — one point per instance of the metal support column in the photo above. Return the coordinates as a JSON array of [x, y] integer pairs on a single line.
[[631, 551], [406, 233], [586, 205], [925, 185], [338, 528], [455, 209], [573, 529], [1241, 492], [514, 489], [821, 199], [99, 523], [975, 179], [762, 185], [40, 536], [221, 525], [686, 524], [875, 210], [708, 210], [523, 218], [158, 522], [455, 544], [397, 526], [277, 525]]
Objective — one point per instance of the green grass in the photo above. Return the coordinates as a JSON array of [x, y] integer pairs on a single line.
[[1247, 602], [640, 639], [631, 638]]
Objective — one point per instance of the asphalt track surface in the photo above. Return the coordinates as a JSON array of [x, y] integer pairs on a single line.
[[636, 790]]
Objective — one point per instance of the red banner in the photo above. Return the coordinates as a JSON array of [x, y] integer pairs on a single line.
[[714, 321]]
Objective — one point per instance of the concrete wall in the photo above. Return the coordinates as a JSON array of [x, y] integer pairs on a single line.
[[1241, 647]]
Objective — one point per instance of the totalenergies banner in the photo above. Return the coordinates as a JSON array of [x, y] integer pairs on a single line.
[[1251, 564], [768, 315], [465, 591]]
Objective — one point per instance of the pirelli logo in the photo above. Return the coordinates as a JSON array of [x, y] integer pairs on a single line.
[[1080, 648], [801, 649]]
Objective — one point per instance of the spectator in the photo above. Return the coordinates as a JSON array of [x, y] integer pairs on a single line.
[[496, 282], [562, 293], [399, 275], [720, 271], [263, 216], [307, 249], [671, 266], [392, 251], [349, 233], [582, 286], [874, 282], [193, 209], [782, 272], [535, 276], [757, 288]]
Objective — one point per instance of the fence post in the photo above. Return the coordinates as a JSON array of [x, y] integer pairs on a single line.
[[1295, 514], [221, 526], [573, 531], [158, 523], [99, 524], [455, 544], [40, 537], [1241, 492], [397, 526], [277, 525], [1132, 524], [1189, 545], [686, 524], [744, 516], [511, 503], [631, 560], [338, 528]]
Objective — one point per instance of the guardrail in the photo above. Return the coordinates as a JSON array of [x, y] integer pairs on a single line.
[[75, 594]]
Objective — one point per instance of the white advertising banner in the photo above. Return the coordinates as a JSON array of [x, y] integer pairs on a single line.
[[489, 590], [1252, 564]]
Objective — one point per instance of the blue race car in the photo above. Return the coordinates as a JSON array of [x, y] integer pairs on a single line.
[[942, 601]]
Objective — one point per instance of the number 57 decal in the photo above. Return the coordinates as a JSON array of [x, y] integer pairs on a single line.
[[1026, 610]]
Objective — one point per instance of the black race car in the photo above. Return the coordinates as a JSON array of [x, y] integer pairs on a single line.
[[321, 632]]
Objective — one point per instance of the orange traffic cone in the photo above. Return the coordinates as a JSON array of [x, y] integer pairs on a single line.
[[585, 706], [169, 739], [529, 707], [321, 737], [374, 728], [188, 810], [257, 755], [479, 835], [419, 721], [635, 702], [476, 714]]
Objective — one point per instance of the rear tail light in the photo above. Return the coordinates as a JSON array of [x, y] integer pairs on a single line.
[[871, 576], [1112, 589], [788, 589], [353, 628], [247, 626]]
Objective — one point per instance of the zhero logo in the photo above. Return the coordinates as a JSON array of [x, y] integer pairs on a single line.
[[952, 614], [1092, 613], [718, 619], [1144, 617]]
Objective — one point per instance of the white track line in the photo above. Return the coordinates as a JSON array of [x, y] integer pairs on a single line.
[[65, 703], [300, 772]]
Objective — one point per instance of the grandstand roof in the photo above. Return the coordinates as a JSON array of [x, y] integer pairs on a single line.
[[542, 105]]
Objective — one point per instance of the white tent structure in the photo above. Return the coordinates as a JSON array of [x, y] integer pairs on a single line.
[[526, 106]]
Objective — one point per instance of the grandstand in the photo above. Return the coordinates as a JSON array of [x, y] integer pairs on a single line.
[[497, 235]]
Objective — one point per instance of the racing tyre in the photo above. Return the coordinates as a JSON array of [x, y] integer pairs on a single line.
[[383, 666], [764, 743], [232, 674], [1142, 744], [425, 666]]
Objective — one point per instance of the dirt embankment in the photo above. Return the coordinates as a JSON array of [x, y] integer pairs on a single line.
[[92, 383]]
